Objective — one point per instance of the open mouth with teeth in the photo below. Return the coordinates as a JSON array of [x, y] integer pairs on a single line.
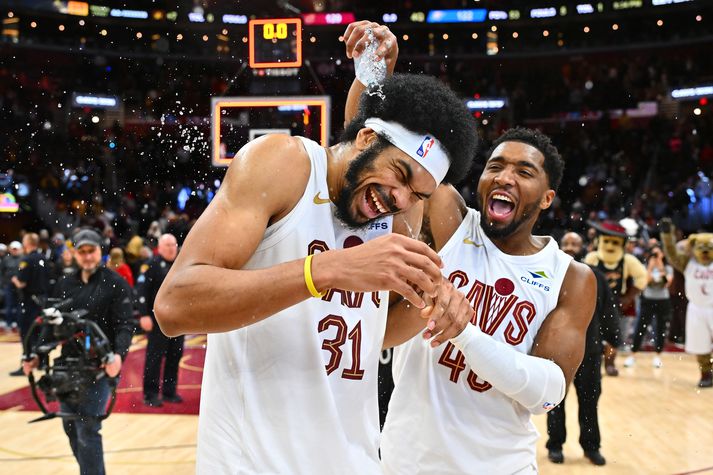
[[501, 207], [373, 205]]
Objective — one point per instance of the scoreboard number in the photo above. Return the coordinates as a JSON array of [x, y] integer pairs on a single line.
[[275, 43]]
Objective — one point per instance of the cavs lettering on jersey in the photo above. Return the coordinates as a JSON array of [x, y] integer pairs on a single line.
[[297, 392], [699, 283], [442, 417]]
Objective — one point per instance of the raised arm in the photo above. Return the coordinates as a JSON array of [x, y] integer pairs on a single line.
[[355, 40], [678, 260]]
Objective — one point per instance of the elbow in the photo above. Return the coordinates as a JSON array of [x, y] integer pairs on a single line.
[[167, 315]]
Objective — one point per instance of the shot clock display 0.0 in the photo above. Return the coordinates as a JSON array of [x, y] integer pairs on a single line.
[[275, 43]]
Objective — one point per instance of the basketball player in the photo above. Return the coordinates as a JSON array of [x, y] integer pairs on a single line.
[[462, 401], [287, 270]]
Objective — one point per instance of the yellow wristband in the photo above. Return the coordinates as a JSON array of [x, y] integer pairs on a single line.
[[308, 278]]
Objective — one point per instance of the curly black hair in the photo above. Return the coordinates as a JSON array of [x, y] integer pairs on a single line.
[[423, 105], [554, 164]]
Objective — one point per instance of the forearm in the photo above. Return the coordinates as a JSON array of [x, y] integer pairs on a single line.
[[352, 105], [536, 383], [403, 323], [207, 299]]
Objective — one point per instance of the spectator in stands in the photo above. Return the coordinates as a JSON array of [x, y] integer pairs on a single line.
[[116, 262]]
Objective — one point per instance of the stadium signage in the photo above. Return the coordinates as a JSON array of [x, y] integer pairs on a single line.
[[335, 18], [485, 104], [543, 12], [235, 19], [626, 4], [8, 203], [699, 91], [78, 8], [497, 15], [94, 101], [99, 10], [475, 15], [118, 13]]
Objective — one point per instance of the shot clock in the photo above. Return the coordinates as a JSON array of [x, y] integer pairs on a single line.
[[275, 43]]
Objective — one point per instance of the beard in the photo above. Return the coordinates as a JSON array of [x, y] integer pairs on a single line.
[[363, 163], [495, 232]]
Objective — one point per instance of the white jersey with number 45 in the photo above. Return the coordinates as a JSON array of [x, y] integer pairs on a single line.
[[297, 392], [442, 417]]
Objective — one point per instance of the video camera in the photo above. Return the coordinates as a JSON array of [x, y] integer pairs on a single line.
[[71, 374]]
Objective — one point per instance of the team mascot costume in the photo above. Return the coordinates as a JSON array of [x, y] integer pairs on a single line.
[[621, 269], [695, 262]]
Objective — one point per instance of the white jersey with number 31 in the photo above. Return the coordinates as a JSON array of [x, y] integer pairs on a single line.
[[297, 392], [442, 417]]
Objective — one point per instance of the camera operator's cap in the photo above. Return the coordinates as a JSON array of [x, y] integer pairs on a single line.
[[3, 247], [15, 245], [87, 237]]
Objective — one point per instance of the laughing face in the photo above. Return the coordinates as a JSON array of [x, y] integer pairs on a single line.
[[513, 189], [380, 181]]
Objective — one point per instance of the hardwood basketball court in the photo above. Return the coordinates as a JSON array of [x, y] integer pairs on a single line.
[[653, 421]]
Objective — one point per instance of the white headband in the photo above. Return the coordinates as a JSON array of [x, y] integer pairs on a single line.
[[423, 148]]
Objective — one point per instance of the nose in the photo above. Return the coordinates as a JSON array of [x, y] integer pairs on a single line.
[[403, 198], [505, 176]]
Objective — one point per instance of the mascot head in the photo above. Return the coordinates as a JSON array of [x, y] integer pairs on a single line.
[[611, 239], [701, 245]]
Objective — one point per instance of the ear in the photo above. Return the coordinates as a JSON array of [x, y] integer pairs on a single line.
[[547, 199], [692, 240], [365, 137]]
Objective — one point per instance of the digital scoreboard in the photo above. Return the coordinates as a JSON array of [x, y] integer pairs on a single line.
[[275, 43]]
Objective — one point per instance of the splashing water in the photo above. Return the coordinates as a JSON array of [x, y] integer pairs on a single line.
[[370, 71]]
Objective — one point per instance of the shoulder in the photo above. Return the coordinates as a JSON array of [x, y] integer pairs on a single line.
[[579, 282], [443, 213], [272, 170], [275, 156]]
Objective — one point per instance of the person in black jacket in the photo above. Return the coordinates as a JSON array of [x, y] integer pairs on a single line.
[[108, 300], [32, 282], [159, 345], [588, 380]]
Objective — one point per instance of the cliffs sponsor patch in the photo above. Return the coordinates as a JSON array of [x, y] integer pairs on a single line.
[[538, 282]]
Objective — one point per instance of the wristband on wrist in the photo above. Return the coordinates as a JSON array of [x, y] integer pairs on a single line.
[[308, 278]]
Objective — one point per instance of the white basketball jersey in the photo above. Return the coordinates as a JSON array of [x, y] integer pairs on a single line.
[[296, 393], [699, 283], [442, 418]]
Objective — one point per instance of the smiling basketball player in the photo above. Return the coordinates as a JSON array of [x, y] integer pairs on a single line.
[[464, 407]]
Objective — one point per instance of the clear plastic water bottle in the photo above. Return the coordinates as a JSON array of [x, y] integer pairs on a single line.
[[368, 70]]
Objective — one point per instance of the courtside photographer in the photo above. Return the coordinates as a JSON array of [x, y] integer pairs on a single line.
[[106, 299]]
